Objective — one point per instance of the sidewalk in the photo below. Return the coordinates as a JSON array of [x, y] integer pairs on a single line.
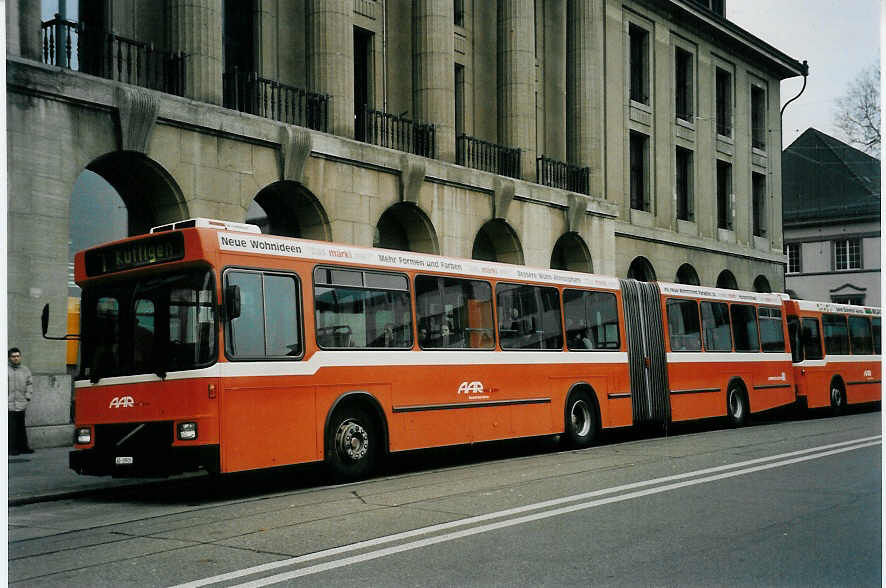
[[44, 475]]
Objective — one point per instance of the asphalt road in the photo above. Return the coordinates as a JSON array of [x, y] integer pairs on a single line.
[[783, 502]]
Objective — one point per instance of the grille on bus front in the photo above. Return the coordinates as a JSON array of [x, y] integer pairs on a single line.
[[132, 437]]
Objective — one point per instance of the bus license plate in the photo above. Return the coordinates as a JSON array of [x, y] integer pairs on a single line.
[[124, 461]]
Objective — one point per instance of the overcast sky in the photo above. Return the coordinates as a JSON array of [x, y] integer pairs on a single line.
[[837, 37]]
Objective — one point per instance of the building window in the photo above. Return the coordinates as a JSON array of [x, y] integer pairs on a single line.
[[683, 84], [856, 299], [459, 100], [724, 195], [459, 10], [639, 63], [759, 202], [758, 117], [724, 102], [684, 184], [847, 254], [639, 146], [792, 250]]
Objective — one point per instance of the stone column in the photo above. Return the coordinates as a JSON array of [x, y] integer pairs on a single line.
[[23, 29], [554, 111], [516, 80], [585, 88], [434, 93], [196, 30], [331, 59]]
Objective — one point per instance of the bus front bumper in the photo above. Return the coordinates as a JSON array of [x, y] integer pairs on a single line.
[[168, 462]]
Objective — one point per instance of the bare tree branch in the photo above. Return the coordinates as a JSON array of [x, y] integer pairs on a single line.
[[858, 111]]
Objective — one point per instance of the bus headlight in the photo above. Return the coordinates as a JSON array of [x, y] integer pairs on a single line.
[[83, 436], [187, 431]]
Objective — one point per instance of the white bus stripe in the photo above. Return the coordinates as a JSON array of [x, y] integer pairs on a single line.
[[828, 449]]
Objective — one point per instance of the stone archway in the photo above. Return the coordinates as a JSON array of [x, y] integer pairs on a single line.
[[497, 241], [289, 209], [404, 226], [761, 284], [686, 274], [641, 270], [151, 195], [727, 280], [571, 253]]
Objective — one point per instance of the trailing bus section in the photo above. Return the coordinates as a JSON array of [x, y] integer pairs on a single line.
[[208, 345]]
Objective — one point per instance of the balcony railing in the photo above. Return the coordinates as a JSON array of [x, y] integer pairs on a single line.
[[397, 132], [68, 44], [249, 92], [565, 176], [482, 155]]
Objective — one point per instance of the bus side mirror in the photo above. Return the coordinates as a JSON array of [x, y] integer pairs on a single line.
[[232, 301], [44, 319], [44, 324]]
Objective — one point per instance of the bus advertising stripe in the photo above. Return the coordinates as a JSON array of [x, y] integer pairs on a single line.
[[453, 406], [696, 391]]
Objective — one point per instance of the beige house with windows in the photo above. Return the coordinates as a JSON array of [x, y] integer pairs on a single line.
[[632, 138], [831, 221]]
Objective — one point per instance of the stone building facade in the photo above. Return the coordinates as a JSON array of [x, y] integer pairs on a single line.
[[633, 138]]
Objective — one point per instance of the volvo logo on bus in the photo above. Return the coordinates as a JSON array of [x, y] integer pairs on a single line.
[[122, 402]]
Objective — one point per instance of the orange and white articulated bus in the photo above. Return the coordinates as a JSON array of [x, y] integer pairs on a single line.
[[208, 345], [836, 353]]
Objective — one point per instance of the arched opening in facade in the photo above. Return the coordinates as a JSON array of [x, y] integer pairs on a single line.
[[289, 209], [792, 294], [641, 270], [727, 280], [404, 226], [497, 241], [118, 195], [570, 253], [151, 195], [761, 284], [686, 274]]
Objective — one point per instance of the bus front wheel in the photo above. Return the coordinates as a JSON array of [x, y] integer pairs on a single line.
[[581, 420], [352, 444]]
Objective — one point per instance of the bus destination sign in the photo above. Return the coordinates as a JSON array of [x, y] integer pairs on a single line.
[[160, 249]]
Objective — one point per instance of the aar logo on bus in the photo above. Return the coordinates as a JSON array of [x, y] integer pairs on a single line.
[[122, 402], [473, 390]]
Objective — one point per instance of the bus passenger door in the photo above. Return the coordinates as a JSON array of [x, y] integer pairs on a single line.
[[650, 393]]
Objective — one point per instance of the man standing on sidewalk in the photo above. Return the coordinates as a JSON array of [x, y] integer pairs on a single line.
[[20, 390]]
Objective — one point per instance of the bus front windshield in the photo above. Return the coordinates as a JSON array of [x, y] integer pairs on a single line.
[[154, 324]]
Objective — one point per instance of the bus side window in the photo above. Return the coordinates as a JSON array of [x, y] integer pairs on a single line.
[[591, 320], [684, 329], [875, 324], [836, 334], [528, 317], [860, 335], [744, 327], [771, 329], [715, 322], [268, 325], [794, 333], [454, 313], [810, 339]]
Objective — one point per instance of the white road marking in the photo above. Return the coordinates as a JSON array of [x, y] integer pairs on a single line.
[[741, 468]]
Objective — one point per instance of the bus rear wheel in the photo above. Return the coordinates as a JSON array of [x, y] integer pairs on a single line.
[[838, 398], [581, 420], [736, 406], [352, 444]]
